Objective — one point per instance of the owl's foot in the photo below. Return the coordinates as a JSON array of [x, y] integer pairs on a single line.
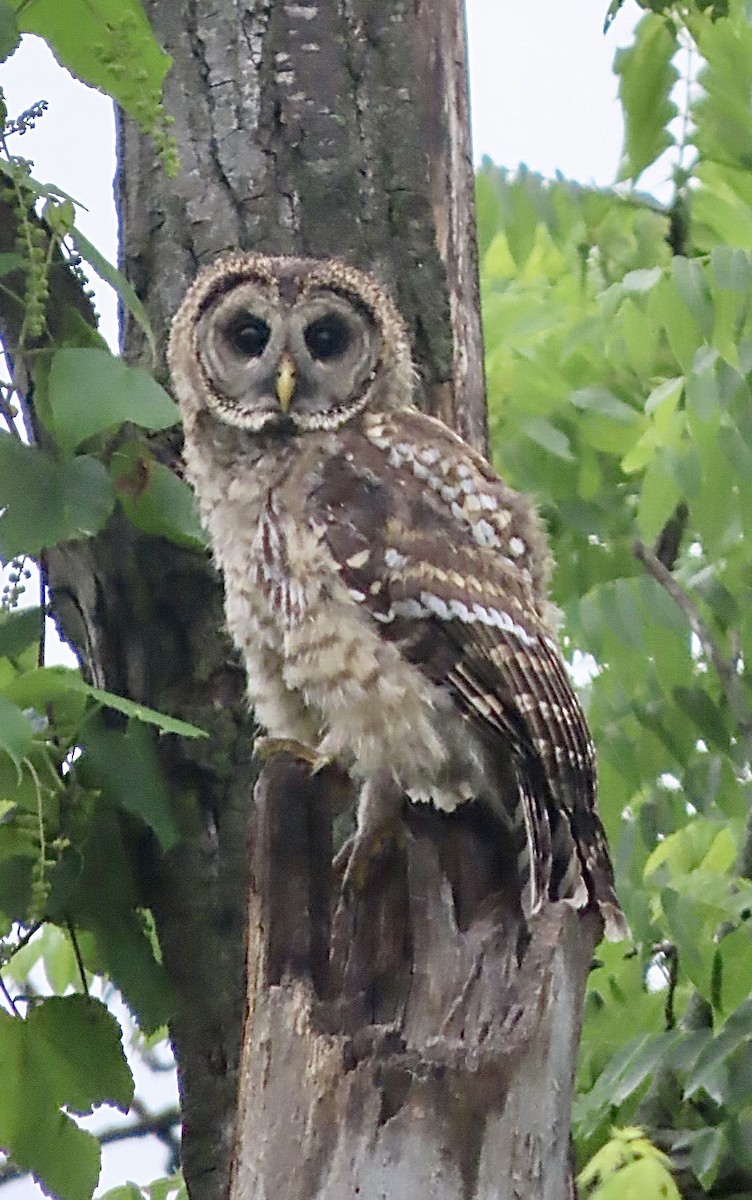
[[380, 830], [360, 854], [267, 747]]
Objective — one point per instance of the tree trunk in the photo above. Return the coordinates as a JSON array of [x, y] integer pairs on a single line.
[[413, 1044]]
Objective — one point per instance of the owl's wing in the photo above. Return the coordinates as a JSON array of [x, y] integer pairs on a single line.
[[452, 565]]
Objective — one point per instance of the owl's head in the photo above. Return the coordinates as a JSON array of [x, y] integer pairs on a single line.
[[291, 344]]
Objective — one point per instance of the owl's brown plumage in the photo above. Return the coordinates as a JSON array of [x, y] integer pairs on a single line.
[[387, 590]]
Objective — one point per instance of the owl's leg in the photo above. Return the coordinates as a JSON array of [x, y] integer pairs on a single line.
[[380, 827]]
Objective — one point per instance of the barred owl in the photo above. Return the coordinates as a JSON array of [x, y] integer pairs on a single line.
[[387, 591]]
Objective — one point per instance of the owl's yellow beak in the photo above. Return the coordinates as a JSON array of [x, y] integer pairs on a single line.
[[285, 382]]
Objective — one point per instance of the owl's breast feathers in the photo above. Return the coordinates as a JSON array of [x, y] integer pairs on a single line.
[[452, 567]]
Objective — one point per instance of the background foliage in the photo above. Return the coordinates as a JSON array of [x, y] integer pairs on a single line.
[[619, 343], [619, 363]]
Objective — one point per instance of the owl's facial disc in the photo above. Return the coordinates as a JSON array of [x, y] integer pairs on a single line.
[[306, 365]]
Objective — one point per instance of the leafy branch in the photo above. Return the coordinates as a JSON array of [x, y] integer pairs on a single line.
[[726, 671]]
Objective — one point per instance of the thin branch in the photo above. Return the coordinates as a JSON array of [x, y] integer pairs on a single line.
[[42, 567], [670, 956], [7, 411], [77, 952], [727, 676], [9, 999], [22, 942]]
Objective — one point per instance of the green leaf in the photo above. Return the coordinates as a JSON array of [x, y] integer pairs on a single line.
[[124, 766], [641, 280], [107, 902], [721, 111], [686, 922], [32, 497], [67, 1052], [10, 262], [683, 851], [47, 502], [731, 269], [47, 190], [521, 224], [628, 1070], [10, 37], [735, 965], [702, 385], [647, 76], [698, 705], [660, 495], [666, 310], [44, 689], [91, 391], [692, 286], [110, 274], [87, 495], [154, 499], [126, 1191], [109, 45], [487, 208], [83, 1054], [737, 1030], [16, 731], [131, 708], [666, 395], [19, 629], [640, 1180], [600, 400], [48, 685], [709, 1148], [539, 430]]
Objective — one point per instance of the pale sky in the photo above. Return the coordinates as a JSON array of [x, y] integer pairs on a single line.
[[542, 93]]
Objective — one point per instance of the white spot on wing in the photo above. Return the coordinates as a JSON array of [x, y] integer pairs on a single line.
[[394, 560], [384, 617], [485, 534], [408, 608], [458, 609], [436, 605]]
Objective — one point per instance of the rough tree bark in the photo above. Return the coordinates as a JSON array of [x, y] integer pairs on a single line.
[[411, 1047]]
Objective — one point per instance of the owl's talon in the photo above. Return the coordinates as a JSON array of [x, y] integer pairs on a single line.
[[266, 748], [356, 860], [321, 762]]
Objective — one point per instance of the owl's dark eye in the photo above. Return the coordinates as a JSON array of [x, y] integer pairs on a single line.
[[248, 335], [328, 337]]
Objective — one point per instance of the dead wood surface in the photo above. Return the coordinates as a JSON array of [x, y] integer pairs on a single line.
[[399, 1045]]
